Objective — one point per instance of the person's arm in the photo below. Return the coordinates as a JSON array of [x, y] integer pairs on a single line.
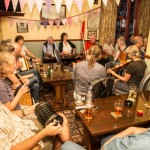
[[128, 131], [72, 45], [60, 47], [24, 56], [30, 54], [125, 78], [30, 143], [44, 49], [11, 105], [25, 111]]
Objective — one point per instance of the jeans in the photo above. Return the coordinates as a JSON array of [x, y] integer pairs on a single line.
[[36, 73], [71, 146]]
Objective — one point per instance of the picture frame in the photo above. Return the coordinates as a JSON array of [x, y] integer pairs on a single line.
[[22, 27], [93, 25], [52, 13], [90, 33]]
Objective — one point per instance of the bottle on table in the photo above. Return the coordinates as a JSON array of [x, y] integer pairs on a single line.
[[48, 71], [132, 95], [89, 105]]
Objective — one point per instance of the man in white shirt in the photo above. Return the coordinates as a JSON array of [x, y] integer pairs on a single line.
[[24, 51], [49, 47]]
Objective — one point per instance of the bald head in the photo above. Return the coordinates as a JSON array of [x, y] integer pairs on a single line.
[[138, 41]]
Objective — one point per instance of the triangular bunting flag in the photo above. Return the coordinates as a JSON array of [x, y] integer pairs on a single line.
[[58, 5], [68, 4], [87, 14], [7, 4], [51, 22], [14, 3], [44, 23], [30, 5], [75, 19], [91, 2], [105, 2], [38, 24], [118, 2], [39, 4], [48, 3], [11, 21], [63, 21], [31, 24], [22, 3], [57, 22], [98, 10], [79, 4], [69, 20]]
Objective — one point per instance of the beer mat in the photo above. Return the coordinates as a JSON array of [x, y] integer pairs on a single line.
[[115, 115], [148, 106], [79, 103]]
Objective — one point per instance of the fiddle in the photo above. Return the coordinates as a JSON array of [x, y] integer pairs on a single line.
[[122, 64]]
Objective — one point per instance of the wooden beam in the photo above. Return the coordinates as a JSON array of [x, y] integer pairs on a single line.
[[5, 13]]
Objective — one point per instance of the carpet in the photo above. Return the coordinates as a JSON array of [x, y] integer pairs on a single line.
[[76, 126]]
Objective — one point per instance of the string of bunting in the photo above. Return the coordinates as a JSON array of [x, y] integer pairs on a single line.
[[51, 22]]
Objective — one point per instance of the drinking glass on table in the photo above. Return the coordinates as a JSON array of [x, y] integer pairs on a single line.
[[118, 105]]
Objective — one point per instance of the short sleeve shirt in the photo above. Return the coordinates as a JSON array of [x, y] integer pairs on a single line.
[[136, 69], [6, 93], [139, 141]]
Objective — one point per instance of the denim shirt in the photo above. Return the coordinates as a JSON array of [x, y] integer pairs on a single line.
[[131, 142]]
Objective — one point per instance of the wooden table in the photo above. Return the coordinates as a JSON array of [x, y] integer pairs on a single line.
[[58, 81], [103, 122]]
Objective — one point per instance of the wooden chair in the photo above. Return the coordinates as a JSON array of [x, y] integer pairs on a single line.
[[26, 99]]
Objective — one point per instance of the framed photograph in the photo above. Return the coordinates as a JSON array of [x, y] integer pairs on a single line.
[[93, 25], [22, 27], [90, 33], [52, 13]]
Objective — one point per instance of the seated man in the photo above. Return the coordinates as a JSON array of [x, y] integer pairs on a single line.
[[132, 138], [24, 51], [89, 43], [22, 134], [49, 47]]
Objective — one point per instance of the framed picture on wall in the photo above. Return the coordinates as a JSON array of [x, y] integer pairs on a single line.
[[52, 13], [93, 25], [90, 33], [22, 27]]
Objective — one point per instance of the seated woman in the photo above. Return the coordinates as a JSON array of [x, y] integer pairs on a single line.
[[28, 77], [66, 47], [7, 66], [87, 71], [134, 71]]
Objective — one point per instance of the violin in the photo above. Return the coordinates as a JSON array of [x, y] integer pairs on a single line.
[[122, 64]]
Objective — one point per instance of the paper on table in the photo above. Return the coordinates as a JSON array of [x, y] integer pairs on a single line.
[[148, 106], [115, 115]]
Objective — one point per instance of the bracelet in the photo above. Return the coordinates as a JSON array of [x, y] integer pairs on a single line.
[[22, 111]]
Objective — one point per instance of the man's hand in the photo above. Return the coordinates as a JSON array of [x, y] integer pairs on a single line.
[[26, 81], [110, 71], [24, 89], [51, 130]]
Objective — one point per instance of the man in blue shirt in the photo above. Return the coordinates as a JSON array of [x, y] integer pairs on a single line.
[[133, 138], [49, 47]]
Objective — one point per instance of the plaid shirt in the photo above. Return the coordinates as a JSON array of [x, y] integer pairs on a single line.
[[13, 129]]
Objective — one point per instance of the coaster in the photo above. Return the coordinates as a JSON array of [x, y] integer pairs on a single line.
[[79, 103], [148, 106], [114, 115]]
